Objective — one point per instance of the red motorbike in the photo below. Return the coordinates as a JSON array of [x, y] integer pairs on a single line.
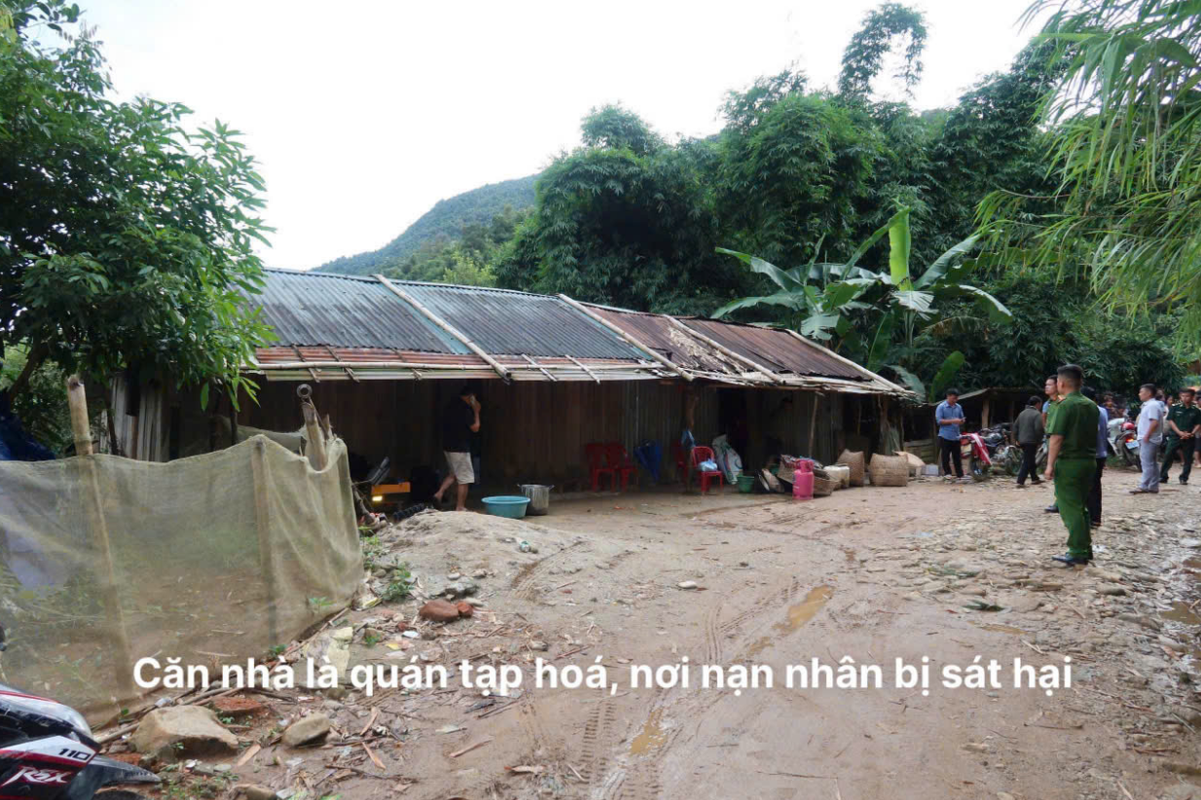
[[976, 459]]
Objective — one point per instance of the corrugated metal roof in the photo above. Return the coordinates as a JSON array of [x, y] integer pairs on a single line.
[[656, 332], [512, 323], [312, 309], [777, 350]]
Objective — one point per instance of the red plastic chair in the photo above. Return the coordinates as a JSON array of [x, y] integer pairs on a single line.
[[681, 457], [595, 455], [619, 461], [701, 453]]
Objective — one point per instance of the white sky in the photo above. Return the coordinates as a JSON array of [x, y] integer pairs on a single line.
[[364, 113]]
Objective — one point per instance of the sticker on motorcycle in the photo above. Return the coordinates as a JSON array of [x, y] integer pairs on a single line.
[[40, 776], [1132, 445]]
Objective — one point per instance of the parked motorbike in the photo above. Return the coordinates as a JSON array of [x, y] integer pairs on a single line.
[[47, 752], [977, 459], [1123, 441]]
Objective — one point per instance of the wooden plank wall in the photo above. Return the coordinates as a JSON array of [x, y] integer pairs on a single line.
[[535, 432]]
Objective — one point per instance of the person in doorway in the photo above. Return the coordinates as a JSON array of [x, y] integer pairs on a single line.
[[460, 419], [949, 416], [1051, 390], [1094, 494], [1072, 462], [1150, 435], [1029, 431], [1184, 423]]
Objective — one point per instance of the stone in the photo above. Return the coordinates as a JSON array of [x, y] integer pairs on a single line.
[[480, 573], [687, 584], [238, 707], [307, 729], [332, 648], [454, 576], [183, 732], [1114, 591], [465, 608], [253, 791], [973, 747], [1182, 791], [439, 611], [538, 644]]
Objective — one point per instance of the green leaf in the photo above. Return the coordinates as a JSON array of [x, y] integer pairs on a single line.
[[918, 302], [818, 326], [204, 397], [789, 299], [939, 268], [911, 381], [946, 373], [899, 244], [778, 276], [881, 341]]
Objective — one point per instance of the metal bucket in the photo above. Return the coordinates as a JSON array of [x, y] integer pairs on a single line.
[[539, 498]]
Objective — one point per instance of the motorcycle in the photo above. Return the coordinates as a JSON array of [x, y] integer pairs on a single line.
[[1123, 441], [47, 752], [977, 459]]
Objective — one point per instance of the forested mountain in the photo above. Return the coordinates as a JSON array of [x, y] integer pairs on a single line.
[[445, 221]]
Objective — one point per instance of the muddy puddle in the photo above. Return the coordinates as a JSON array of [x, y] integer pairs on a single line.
[[651, 737], [798, 615]]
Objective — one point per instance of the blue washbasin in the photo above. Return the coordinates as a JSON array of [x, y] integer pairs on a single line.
[[508, 505]]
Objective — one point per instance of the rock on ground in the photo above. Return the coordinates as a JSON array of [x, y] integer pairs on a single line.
[[307, 729], [183, 731], [439, 611]]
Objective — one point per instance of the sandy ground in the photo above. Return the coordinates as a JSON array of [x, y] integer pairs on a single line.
[[870, 573]]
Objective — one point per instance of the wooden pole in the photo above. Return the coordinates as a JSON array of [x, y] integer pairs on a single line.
[[312, 429], [625, 337], [262, 522], [721, 348], [446, 326], [813, 423], [85, 463]]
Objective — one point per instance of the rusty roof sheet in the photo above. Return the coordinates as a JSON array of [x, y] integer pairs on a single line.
[[777, 350], [658, 333], [319, 309], [506, 322]]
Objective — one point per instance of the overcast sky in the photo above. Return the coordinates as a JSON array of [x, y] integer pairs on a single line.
[[364, 114]]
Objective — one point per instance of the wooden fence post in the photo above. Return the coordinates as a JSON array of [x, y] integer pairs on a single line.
[[312, 428], [262, 524], [98, 527]]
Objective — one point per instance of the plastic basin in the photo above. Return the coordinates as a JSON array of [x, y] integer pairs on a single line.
[[746, 483], [511, 506]]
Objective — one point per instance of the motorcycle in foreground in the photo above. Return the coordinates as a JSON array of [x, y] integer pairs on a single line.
[[47, 752], [977, 460]]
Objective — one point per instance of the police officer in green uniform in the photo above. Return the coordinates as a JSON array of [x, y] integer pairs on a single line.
[[1184, 423], [1072, 460]]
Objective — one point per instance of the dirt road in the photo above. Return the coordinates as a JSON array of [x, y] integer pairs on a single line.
[[873, 574]]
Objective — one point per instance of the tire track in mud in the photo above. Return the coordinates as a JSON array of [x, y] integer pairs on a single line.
[[596, 744], [523, 582]]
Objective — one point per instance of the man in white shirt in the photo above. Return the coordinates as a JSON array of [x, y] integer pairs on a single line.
[[1150, 435]]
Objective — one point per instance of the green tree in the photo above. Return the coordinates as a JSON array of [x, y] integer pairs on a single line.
[[1124, 154], [863, 58], [125, 239]]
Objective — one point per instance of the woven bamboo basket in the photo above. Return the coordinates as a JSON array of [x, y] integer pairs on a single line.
[[890, 470], [855, 462], [824, 487]]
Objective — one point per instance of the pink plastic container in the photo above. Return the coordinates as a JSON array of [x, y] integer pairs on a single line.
[[802, 482]]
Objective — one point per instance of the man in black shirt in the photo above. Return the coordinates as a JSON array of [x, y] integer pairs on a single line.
[[460, 419]]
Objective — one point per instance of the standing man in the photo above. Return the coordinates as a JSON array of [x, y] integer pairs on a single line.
[[1071, 462], [1184, 423], [949, 416], [460, 419], [1029, 431], [1051, 389], [1150, 435], [1094, 494]]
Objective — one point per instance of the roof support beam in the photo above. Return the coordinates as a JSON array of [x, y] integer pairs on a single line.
[[721, 348], [539, 366], [862, 369], [497, 367], [625, 337], [595, 377]]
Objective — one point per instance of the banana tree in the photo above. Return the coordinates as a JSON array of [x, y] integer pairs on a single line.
[[873, 311]]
